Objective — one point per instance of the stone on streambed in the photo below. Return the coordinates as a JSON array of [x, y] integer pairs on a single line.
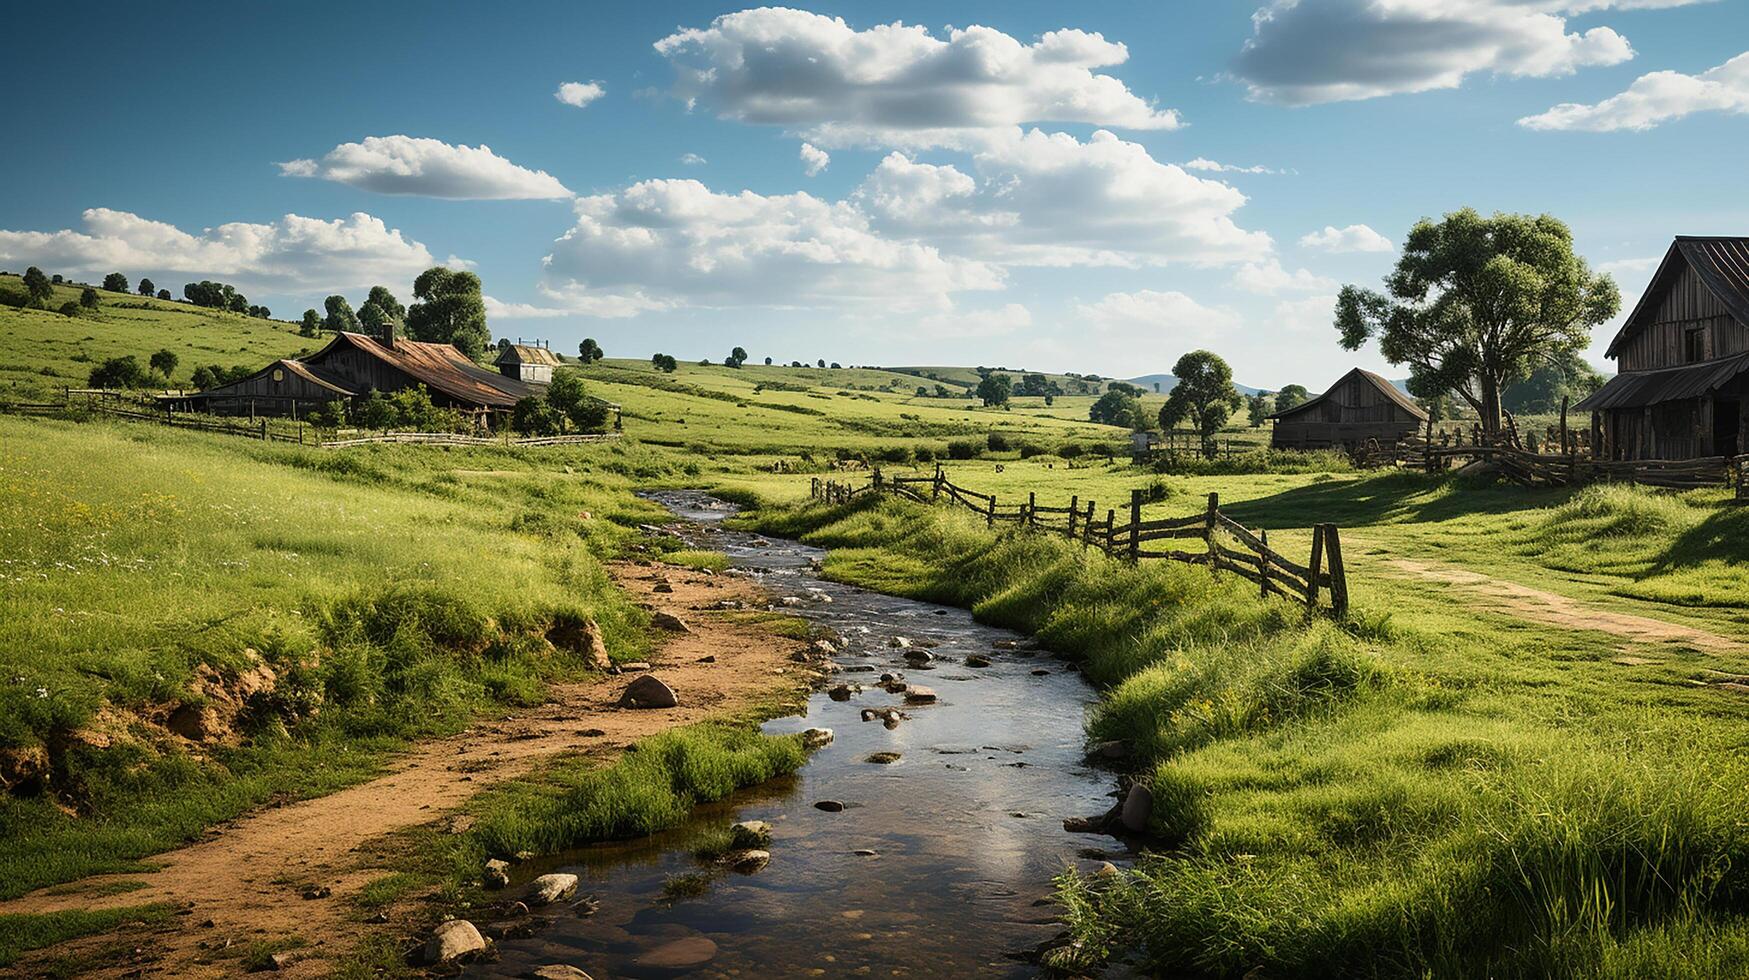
[[497, 873], [680, 954], [883, 758], [557, 971], [648, 692], [918, 694], [840, 693], [978, 660], [1137, 807], [453, 940], [824, 648], [1111, 751], [815, 738], [915, 656], [830, 806], [750, 835], [550, 888], [669, 622], [899, 643], [747, 861]]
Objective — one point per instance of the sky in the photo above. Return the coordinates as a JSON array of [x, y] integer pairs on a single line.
[[1096, 187]]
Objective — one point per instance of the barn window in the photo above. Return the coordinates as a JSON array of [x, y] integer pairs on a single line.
[[1694, 344], [278, 375]]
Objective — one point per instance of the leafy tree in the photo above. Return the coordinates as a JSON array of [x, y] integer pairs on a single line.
[[664, 363], [69, 308], [1258, 407], [385, 301], [1124, 386], [589, 351], [59, 279], [237, 302], [373, 411], [38, 287], [568, 397], [1475, 302], [115, 282], [1204, 396], [147, 287], [88, 298], [533, 417], [1119, 408], [1289, 396], [340, 315], [768, 362], [164, 294], [451, 310], [995, 389], [1542, 391], [311, 325], [821, 362], [1050, 400], [206, 377], [164, 362], [118, 372], [260, 312], [736, 358], [372, 318], [412, 408], [835, 365]]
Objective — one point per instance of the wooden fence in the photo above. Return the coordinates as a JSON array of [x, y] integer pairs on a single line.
[[1226, 545], [1530, 469]]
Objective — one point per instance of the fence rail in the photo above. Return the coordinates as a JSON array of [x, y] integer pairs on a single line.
[[1227, 545]]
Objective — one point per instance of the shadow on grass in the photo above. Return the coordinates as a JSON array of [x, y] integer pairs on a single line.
[[1392, 498], [1721, 536]]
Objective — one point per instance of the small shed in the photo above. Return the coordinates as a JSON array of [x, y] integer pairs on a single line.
[[1683, 353], [1359, 407], [532, 363]]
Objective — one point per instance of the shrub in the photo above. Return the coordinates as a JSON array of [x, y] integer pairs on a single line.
[[964, 449], [118, 372], [998, 443]]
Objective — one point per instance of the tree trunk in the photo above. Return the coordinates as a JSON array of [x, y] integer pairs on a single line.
[[1490, 407]]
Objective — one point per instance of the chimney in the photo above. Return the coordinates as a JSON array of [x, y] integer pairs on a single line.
[[388, 337]]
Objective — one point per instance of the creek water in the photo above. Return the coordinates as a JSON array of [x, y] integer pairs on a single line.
[[965, 829]]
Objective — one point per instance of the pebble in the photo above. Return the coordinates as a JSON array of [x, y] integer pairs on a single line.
[[830, 806]]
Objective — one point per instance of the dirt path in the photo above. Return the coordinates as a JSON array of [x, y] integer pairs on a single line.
[[247, 879], [1567, 612]]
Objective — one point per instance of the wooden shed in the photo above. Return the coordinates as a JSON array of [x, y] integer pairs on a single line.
[[533, 363], [1683, 355], [1360, 406]]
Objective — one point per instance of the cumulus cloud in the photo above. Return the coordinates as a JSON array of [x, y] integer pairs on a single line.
[[1354, 238], [677, 242], [1309, 51], [894, 84], [579, 94], [1621, 268], [692, 160], [428, 168], [1215, 166], [1654, 99], [1152, 315], [1053, 200], [1268, 277], [814, 159], [292, 253], [1307, 316]]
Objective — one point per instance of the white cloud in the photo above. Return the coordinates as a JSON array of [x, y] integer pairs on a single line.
[[1309, 315], [429, 168], [579, 94], [897, 85], [692, 160], [293, 253], [576, 301], [1149, 316], [1268, 277], [1214, 166], [1052, 200], [814, 159], [677, 242], [1309, 51], [1354, 238], [1655, 98], [1623, 268], [960, 325]]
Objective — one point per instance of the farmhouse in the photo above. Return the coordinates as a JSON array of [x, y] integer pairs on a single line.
[[353, 365], [1360, 406], [533, 363], [1683, 356]]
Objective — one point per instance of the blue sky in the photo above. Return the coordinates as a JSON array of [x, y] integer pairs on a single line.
[[1018, 194]]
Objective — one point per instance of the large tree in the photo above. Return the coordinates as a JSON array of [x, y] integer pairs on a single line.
[[340, 315], [589, 351], [1119, 408], [451, 310], [1289, 396], [385, 301], [1204, 396], [164, 362], [38, 287], [115, 282], [147, 287], [995, 389], [1257, 407], [88, 298], [1476, 302], [312, 324]]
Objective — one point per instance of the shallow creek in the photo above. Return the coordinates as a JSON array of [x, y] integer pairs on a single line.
[[965, 828]]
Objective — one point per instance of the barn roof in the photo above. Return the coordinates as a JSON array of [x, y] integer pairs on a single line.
[[1722, 263], [440, 367], [527, 354], [1390, 391], [297, 368], [1637, 389]]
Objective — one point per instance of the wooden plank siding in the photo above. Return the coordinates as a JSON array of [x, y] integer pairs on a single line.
[[1356, 409], [1688, 305]]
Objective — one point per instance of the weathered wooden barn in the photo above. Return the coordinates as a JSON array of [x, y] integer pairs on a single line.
[[533, 363], [353, 365], [1683, 356], [1360, 406]]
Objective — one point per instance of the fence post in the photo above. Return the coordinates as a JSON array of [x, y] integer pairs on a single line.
[[1317, 566], [1087, 525], [1110, 530], [1074, 506], [263, 430], [1209, 526], [1263, 563], [875, 479], [1032, 508], [990, 512], [1135, 524], [935, 488], [1338, 576]]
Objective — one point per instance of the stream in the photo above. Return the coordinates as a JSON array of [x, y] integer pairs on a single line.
[[939, 863]]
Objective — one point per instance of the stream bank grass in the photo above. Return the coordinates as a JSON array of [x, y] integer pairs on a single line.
[[1446, 792], [19, 934]]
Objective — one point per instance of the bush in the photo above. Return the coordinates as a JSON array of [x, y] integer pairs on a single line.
[[964, 449], [998, 443], [118, 372], [1071, 450]]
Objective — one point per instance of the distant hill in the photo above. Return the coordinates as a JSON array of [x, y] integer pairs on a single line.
[[1167, 381]]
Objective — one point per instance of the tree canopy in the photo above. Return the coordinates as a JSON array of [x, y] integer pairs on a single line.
[[38, 286], [88, 298], [589, 351], [736, 358], [1289, 396], [451, 310], [995, 389], [664, 363], [1258, 407], [164, 362], [1567, 377], [147, 287], [115, 282], [311, 325], [1475, 302], [1204, 396], [340, 315], [1119, 408]]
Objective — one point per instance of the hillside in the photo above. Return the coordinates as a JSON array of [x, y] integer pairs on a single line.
[[46, 352], [1167, 381]]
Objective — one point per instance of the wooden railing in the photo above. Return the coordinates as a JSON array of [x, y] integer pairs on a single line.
[[1226, 545], [1529, 469]]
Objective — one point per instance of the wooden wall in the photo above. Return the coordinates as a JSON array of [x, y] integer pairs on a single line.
[[1296, 433], [1687, 304]]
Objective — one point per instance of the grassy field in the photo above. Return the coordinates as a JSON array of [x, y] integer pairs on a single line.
[[46, 352]]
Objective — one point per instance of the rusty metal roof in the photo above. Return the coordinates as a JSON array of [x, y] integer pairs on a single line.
[[1722, 263], [527, 354], [1637, 389], [440, 367], [1391, 391]]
